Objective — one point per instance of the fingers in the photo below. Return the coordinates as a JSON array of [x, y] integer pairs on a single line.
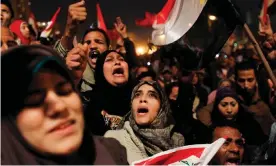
[[267, 19], [261, 21], [80, 3], [77, 11]]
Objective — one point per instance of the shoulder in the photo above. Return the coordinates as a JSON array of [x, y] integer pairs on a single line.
[[116, 150]]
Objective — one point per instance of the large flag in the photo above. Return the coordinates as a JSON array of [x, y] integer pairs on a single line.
[[112, 33], [194, 25], [187, 155], [160, 18], [33, 23], [47, 31]]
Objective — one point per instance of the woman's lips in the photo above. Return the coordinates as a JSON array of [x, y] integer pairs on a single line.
[[64, 128]]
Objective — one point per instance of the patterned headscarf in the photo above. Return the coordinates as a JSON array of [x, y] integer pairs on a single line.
[[159, 135]]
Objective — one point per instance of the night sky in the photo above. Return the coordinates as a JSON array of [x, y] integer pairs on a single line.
[[129, 10]]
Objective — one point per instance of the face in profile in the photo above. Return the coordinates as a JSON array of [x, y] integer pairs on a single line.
[[25, 30], [174, 93], [228, 107], [232, 151], [145, 105], [115, 69], [52, 119], [95, 41]]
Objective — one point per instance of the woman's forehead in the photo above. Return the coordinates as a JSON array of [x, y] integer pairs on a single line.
[[113, 54], [146, 87]]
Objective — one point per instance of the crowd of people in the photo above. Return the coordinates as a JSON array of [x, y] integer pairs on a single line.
[[86, 103]]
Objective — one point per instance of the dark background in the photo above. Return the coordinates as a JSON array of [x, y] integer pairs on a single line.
[[129, 10]]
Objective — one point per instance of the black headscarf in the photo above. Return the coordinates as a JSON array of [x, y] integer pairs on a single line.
[[106, 97], [19, 66], [249, 126], [114, 100]]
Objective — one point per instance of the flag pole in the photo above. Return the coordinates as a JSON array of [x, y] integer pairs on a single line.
[[259, 51], [256, 45]]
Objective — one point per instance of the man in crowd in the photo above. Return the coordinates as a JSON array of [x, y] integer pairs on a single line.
[[248, 91], [232, 151]]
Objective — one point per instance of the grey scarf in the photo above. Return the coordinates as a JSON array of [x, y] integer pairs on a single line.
[[159, 136]]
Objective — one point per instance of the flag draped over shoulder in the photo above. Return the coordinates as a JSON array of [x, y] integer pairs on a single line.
[[187, 155], [47, 31]]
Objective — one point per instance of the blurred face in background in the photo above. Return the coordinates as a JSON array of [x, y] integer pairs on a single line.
[[25, 30], [223, 60], [228, 107]]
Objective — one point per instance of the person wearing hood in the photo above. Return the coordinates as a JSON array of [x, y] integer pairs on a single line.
[[227, 107], [111, 97], [42, 120], [150, 127], [22, 31]]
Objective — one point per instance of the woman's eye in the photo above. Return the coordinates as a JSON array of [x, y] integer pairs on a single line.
[[233, 104], [35, 99], [153, 95], [137, 95], [108, 59], [121, 59], [223, 104], [65, 89]]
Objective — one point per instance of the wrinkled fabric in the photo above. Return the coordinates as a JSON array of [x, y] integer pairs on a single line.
[[160, 135]]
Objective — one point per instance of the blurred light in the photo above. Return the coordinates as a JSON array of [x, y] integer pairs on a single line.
[[148, 63], [190, 24], [49, 22], [140, 50], [43, 23], [217, 56], [212, 17]]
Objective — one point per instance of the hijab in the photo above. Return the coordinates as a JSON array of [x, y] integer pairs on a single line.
[[250, 128], [19, 66], [114, 100], [15, 27], [159, 136]]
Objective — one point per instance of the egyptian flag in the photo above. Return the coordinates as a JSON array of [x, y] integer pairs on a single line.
[[188, 32], [47, 31], [32, 22], [200, 154], [268, 7], [112, 33], [160, 17]]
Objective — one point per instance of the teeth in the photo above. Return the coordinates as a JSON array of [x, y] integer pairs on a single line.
[[65, 125]]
